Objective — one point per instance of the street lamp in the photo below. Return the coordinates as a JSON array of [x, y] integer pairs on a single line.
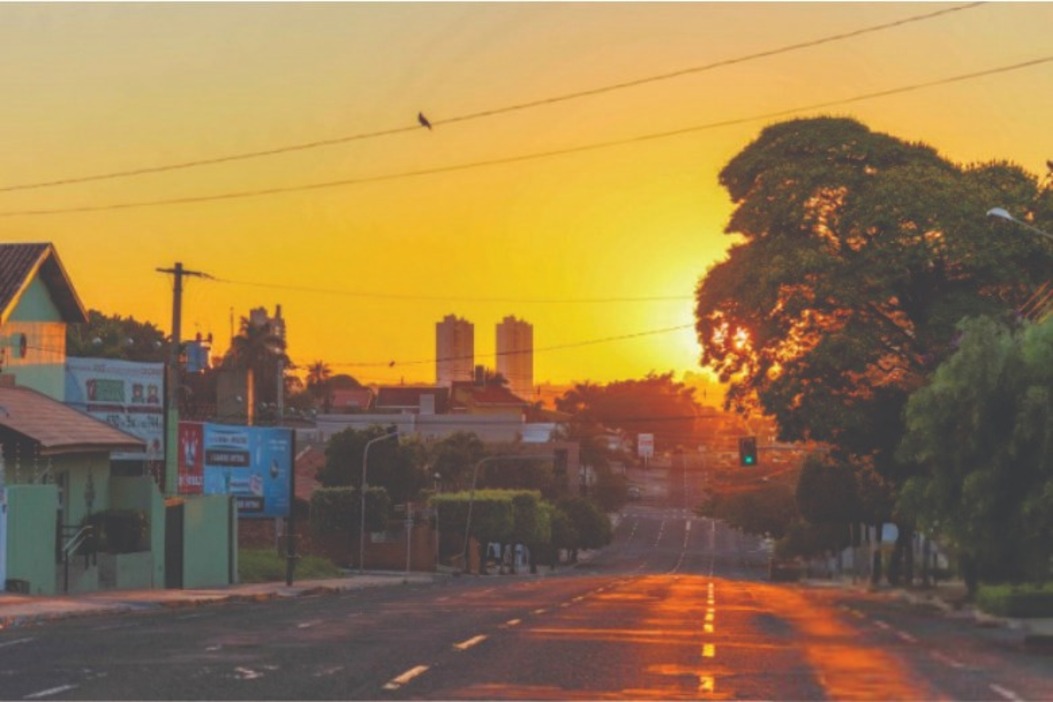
[[1002, 213], [471, 493], [362, 516]]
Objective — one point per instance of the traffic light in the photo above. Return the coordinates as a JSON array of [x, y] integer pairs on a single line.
[[748, 451]]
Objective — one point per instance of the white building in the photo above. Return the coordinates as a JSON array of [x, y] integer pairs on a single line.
[[454, 350], [515, 355]]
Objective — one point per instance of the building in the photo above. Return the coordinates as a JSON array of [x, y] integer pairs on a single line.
[[515, 355], [454, 350]]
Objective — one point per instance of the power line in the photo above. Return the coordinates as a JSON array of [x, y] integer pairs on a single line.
[[274, 151], [532, 156], [450, 298], [558, 347]]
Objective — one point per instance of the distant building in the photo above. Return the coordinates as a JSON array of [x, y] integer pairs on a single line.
[[515, 355], [454, 350], [401, 399]]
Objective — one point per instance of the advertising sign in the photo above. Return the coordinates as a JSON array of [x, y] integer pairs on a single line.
[[252, 463], [125, 395], [645, 445]]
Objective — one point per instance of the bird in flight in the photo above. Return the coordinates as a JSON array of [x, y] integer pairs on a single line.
[[423, 120]]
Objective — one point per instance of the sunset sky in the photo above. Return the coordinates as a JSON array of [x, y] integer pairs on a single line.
[[599, 248]]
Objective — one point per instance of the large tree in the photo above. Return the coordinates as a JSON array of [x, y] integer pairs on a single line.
[[982, 433], [124, 338], [857, 255], [656, 405]]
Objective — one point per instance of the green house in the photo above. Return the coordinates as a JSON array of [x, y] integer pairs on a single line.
[[55, 462]]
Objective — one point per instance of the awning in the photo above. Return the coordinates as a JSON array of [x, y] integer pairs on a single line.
[[57, 428]]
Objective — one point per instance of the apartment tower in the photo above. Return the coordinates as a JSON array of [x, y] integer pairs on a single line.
[[454, 350], [515, 355]]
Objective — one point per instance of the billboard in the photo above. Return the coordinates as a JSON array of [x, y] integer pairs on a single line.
[[126, 395], [254, 464], [645, 445]]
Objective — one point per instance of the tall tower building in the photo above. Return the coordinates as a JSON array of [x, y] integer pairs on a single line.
[[454, 350], [515, 355]]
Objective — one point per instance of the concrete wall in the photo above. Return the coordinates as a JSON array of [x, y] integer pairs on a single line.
[[31, 536], [208, 537], [142, 493]]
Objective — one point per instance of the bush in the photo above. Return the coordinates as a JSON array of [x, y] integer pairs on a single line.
[[1016, 600], [267, 565], [119, 531]]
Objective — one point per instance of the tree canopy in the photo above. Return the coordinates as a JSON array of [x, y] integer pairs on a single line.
[[858, 254], [982, 433], [656, 405], [116, 337]]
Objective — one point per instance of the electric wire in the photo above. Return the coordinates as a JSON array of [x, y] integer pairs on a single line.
[[531, 156], [319, 143], [449, 298], [543, 349]]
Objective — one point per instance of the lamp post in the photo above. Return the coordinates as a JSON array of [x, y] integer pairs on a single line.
[[471, 493], [1002, 213], [362, 516]]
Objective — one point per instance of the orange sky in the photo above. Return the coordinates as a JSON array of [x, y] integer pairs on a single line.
[[363, 271]]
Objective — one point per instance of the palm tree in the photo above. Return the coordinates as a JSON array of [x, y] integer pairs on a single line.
[[258, 348], [318, 377]]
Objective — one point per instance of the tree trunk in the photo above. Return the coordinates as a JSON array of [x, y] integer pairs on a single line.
[[875, 569]]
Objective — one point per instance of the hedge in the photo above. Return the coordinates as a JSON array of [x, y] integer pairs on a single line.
[[1021, 601]]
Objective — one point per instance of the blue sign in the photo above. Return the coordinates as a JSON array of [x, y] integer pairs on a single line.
[[254, 464]]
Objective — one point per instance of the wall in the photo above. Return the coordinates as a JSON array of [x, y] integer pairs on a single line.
[[142, 493], [43, 367], [207, 541], [31, 536]]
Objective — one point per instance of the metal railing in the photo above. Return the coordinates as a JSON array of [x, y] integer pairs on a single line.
[[79, 538]]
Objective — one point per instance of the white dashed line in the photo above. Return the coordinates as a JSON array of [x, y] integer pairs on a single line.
[[1005, 693], [882, 625], [539, 611], [308, 625], [465, 645], [401, 680], [15, 642], [513, 622], [946, 660], [906, 637], [49, 692]]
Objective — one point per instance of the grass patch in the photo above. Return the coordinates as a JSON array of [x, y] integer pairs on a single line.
[[1016, 600], [263, 565]]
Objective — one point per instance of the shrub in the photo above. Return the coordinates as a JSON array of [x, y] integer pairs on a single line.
[[1016, 600], [119, 530]]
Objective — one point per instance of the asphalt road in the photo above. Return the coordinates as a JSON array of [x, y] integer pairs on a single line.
[[676, 608]]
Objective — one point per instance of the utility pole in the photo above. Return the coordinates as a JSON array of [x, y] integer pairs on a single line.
[[171, 478]]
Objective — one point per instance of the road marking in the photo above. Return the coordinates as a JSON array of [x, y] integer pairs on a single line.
[[709, 651], [49, 692], [16, 641], [882, 625], [247, 673], [465, 645], [706, 683], [564, 604], [1006, 693], [906, 637], [579, 598], [709, 616], [308, 625], [539, 611], [946, 660], [401, 680], [857, 614], [513, 622], [707, 628]]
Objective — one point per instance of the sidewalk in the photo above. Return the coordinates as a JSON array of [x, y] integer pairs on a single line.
[[21, 610], [950, 599]]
